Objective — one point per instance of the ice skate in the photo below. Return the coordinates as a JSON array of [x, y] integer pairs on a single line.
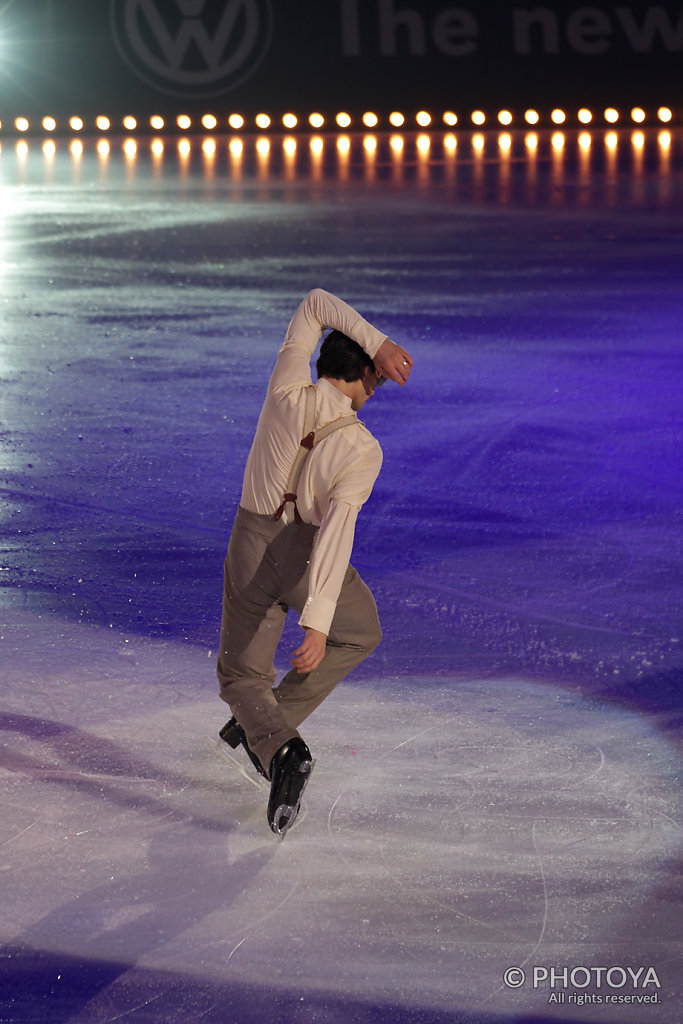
[[290, 770], [233, 734]]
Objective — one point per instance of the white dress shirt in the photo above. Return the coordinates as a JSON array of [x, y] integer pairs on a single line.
[[338, 474]]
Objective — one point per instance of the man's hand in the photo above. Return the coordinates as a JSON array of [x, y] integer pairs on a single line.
[[393, 362], [311, 653]]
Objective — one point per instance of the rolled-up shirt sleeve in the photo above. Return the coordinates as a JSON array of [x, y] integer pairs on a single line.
[[334, 542], [318, 311], [329, 562]]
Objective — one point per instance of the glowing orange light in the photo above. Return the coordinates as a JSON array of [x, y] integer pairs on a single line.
[[370, 120], [289, 120], [130, 123], [184, 148], [316, 145], [664, 114], [638, 115], [557, 140], [664, 139], [370, 144], [157, 147], [531, 116], [156, 122], [478, 117], [343, 119], [478, 143], [22, 149], [103, 123], [638, 140], [343, 144], [585, 141], [76, 124], [209, 122], [585, 116], [183, 121], [289, 146], [263, 147], [396, 119], [49, 124], [103, 148], [262, 121], [423, 118], [611, 115], [422, 144], [49, 149], [21, 124], [558, 116], [236, 147], [130, 148], [504, 117], [450, 118], [209, 147], [505, 142], [611, 140], [316, 120], [531, 141], [450, 143], [76, 148], [396, 143]]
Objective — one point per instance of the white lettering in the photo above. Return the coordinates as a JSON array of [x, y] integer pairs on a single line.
[[524, 21], [390, 20], [588, 31], [581, 972], [655, 22], [599, 971], [455, 32], [350, 28], [651, 978]]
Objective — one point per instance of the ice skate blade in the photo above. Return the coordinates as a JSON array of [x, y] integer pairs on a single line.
[[285, 816], [290, 812]]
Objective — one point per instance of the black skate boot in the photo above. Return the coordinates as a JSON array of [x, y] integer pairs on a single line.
[[290, 770], [233, 734]]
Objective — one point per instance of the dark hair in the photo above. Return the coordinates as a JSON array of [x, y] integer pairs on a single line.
[[342, 358]]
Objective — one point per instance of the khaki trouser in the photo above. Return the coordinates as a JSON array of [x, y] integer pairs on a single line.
[[266, 574]]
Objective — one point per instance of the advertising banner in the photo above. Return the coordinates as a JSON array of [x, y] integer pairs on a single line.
[[155, 56]]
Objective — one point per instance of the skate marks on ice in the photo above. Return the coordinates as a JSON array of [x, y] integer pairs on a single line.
[[452, 829], [525, 824]]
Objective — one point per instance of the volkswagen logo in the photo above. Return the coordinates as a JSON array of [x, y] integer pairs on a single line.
[[192, 47]]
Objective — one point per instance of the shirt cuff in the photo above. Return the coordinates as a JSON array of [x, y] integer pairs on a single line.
[[318, 614]]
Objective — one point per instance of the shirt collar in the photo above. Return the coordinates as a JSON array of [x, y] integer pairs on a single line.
[[334, 395]]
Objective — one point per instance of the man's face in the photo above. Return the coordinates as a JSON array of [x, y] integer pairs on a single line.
[[364, 389]]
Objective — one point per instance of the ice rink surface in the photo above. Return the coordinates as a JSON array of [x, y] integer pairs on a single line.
[[497, 788]]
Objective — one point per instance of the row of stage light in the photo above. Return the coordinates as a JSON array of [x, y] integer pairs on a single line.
[[423, 119], [425, 145]]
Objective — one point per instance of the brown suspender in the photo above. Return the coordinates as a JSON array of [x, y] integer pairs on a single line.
[[310, 439]]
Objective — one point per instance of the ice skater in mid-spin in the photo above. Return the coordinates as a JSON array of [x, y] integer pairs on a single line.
[[311, 467]]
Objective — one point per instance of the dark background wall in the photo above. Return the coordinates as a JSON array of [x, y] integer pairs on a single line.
[[145, 56]]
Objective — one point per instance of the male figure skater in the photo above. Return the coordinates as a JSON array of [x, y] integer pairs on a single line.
[[311, 467]]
